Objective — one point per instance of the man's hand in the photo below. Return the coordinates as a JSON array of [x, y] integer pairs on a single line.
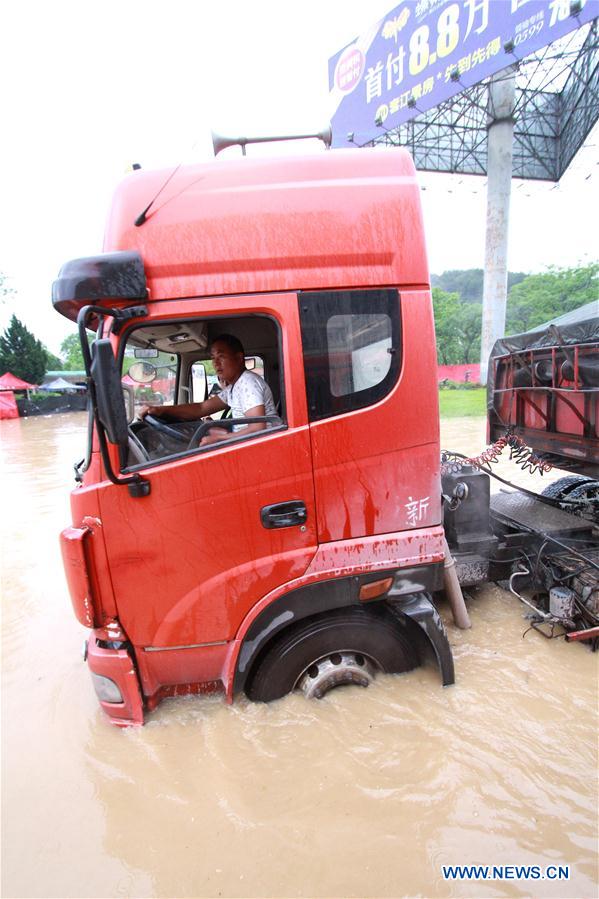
[[150, 410], [214, 435]]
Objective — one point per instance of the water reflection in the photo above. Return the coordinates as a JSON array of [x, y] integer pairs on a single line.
[[368, 792]]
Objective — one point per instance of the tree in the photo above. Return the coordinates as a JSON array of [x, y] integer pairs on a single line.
[[468, 283], [469, 326], [21, 353], [53, 363], [446, 311], [70, 350], [458, 327], [544, 296], [532, 300]]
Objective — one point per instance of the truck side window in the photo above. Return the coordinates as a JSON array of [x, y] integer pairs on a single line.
[[171, 366], [352, 348]]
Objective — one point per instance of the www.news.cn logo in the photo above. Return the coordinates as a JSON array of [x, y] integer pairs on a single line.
[[506, 872]]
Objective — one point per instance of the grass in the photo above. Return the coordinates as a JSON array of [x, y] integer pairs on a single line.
[[455, 403]]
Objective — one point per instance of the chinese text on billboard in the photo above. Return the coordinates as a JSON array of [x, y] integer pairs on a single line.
[[425, 51]]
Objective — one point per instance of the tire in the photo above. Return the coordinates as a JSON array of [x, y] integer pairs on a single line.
[[586, 491], [342, 647], [562, 488], [587, 495]]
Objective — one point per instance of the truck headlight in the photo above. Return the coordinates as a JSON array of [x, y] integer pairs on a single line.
[[106, 689]]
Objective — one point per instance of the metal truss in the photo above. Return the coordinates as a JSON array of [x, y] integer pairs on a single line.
[[556, 106]]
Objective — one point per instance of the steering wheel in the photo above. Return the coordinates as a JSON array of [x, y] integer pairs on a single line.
[[163, 428], [203, 428], [227, 424], [136, 447]]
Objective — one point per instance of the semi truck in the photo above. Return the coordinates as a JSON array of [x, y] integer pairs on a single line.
[[309, 552]]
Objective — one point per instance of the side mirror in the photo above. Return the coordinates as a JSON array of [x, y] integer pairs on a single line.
[[142, 372], [109, 392]]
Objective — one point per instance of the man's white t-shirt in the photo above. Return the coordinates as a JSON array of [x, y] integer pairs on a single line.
[[249, 391]]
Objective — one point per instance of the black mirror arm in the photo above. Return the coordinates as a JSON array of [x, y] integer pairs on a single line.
[[119, 315]]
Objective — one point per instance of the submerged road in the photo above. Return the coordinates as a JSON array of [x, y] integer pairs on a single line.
[[365, 793]]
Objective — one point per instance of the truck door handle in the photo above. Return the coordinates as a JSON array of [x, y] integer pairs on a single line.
[[284, 515]]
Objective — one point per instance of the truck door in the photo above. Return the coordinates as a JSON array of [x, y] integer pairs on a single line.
[[370, 364], [223, 525]]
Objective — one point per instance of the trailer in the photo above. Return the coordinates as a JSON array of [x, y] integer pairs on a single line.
[[543, 411]]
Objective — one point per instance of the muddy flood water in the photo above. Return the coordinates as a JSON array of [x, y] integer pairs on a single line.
[[365, 793]]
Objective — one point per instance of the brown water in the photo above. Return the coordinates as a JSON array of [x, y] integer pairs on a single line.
[[365, 793]]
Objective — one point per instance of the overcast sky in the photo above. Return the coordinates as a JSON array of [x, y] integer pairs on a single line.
[[89, 88]]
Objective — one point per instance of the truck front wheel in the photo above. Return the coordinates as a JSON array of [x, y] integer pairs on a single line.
[[347, 646]]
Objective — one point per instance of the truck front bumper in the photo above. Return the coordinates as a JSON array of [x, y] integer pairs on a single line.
[[115, 681]]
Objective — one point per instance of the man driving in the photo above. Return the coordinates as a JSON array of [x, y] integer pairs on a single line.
[[246, 394]]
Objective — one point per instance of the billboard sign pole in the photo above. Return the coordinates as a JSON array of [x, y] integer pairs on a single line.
[[502, 92]]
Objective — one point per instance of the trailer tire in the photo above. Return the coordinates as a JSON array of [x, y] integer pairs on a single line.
[[562, 488], [587, 494], [347, 646]]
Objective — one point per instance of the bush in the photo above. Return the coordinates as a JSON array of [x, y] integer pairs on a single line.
[[447, 384]]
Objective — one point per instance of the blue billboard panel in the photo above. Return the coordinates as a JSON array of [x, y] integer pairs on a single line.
[[425, 51]]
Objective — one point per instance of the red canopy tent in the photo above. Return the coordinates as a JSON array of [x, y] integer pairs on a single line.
[[8, 405], [9, 381], [8, 384]]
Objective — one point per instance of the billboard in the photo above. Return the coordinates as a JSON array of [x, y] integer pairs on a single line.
[[425, 51]]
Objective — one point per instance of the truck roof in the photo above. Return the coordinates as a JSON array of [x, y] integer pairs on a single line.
[[345, 218]]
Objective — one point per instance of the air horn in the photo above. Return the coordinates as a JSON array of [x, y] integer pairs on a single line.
[[219, 142]]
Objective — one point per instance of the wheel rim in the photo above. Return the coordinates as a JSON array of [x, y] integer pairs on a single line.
[[336, 670]]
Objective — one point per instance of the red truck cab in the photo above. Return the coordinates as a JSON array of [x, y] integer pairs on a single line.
[[301, 556]]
